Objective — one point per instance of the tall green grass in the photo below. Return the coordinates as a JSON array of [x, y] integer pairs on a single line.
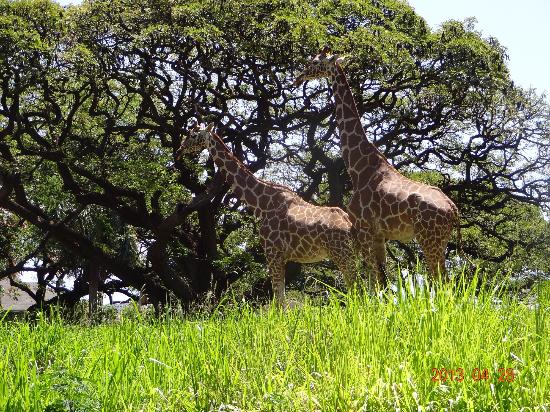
[[357, 352]]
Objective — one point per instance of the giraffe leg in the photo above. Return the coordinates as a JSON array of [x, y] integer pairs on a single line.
[[373, 252], [434, 252], [379, 248], [276, 268], [345, 261]]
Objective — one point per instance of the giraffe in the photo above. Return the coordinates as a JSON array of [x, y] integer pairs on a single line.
[[385, 205], [291, 229]]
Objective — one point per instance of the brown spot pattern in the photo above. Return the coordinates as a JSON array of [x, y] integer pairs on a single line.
[[385, 205], [291, 229]]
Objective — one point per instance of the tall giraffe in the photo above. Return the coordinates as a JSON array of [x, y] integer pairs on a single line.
[[385, 204], [291, 229]]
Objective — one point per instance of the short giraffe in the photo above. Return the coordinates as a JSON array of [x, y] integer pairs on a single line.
[[291, 229], [385, 204]]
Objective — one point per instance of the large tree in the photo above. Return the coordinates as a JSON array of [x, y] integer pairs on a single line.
[[95, 100]]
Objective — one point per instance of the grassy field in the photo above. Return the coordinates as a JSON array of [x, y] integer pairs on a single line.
[[355, 352]]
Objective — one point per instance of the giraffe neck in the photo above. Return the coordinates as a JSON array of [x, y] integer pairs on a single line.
[[361, 157], [254, 192]]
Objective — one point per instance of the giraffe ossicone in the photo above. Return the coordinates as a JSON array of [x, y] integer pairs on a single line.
[[385, 205], [291, 229]]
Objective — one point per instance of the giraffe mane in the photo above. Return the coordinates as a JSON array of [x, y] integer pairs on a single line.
[[247, 170]]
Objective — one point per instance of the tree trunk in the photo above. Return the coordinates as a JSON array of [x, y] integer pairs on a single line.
[[207, 251], [92, 272], [336, 183]]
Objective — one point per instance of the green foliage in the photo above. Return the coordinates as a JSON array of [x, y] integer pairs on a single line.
[[357, 352], [528, 253], [238, 249], [96, 99], [73, 394], [28, 26]]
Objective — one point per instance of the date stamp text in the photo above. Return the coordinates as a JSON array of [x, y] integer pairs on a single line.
[[476, 374]]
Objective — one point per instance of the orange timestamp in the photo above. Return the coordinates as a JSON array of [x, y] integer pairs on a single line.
[[477, 375]]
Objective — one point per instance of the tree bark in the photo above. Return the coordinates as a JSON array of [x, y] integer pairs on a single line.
[[92, 275]]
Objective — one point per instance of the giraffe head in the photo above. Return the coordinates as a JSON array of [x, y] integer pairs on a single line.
[[319, 66], [197, 140]]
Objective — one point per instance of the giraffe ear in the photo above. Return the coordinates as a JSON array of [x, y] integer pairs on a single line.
[[325, 50], [210, 127]]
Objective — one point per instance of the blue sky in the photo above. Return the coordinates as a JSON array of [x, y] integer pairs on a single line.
[[523, 27]]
